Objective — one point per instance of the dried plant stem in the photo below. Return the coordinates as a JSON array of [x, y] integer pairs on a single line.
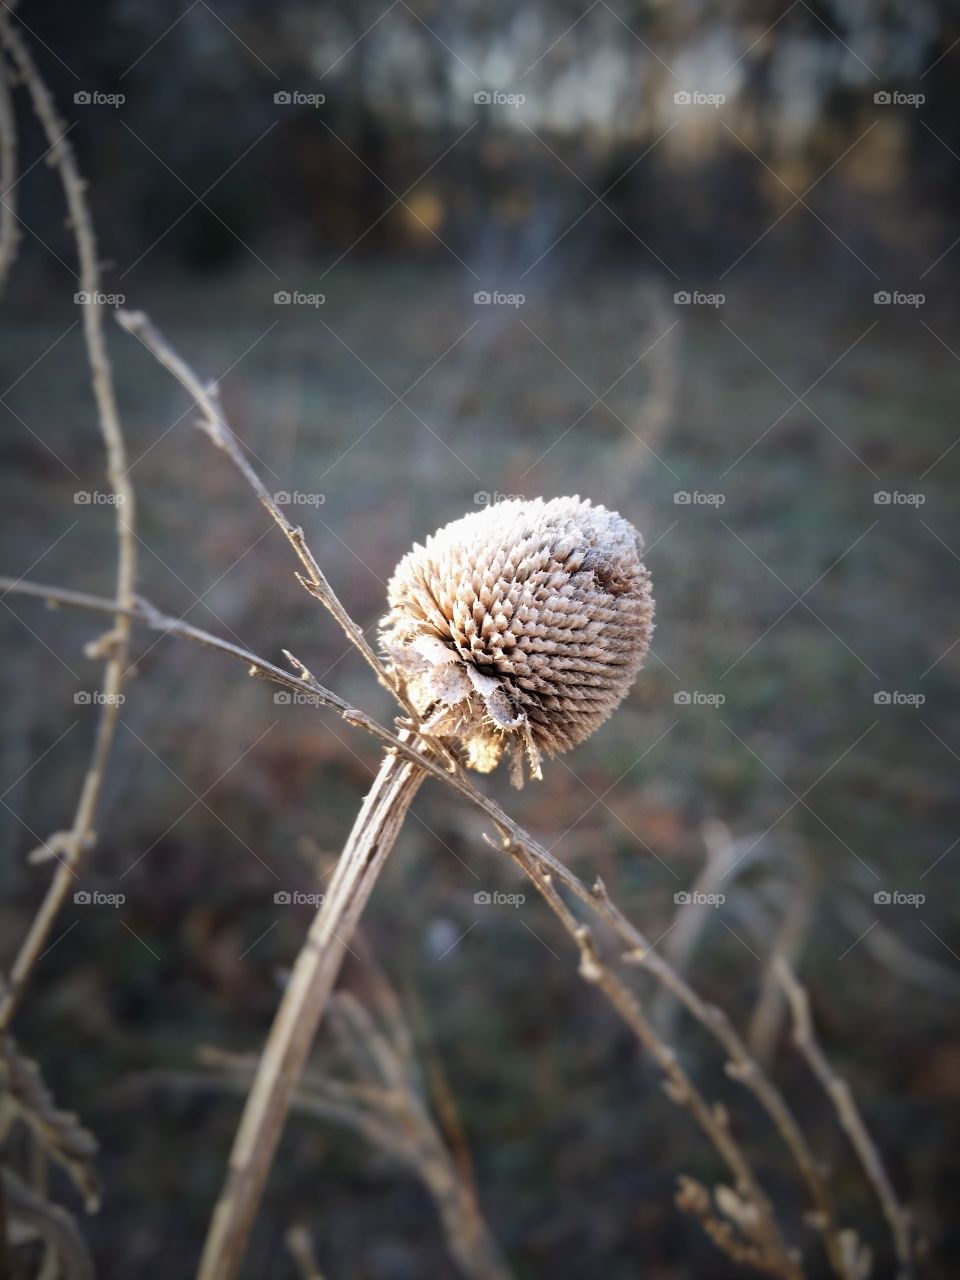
[[300, 1247], [9, 235], [742, 1067], [765, 1248], [386, 1103], [301, 1009], [767, 1019], [213, 423], [113, 647], [142, 611], [840, 1094]]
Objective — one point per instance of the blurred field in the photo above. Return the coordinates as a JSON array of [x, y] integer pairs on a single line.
[[218, 796]]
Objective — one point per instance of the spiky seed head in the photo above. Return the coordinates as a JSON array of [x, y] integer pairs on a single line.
[[519, 628]]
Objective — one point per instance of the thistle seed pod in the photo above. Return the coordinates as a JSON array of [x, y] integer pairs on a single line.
[[520, 628]]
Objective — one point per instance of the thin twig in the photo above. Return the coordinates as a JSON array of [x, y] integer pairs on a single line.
[[314, 692], [851, 1121], [300, 1247], [113, 647], [9, 234], [769, 1011], [213, 423], [766, 1249], [741, 1067]]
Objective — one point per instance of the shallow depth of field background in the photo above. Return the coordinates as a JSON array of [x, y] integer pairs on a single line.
[[789, 594]]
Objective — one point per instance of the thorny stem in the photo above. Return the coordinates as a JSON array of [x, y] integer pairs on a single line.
[[308, 990], [112, 647]]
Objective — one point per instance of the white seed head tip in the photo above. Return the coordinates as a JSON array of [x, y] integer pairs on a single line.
[[519, 628]]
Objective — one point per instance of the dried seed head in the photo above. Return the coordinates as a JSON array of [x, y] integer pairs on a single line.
[[519, 628]]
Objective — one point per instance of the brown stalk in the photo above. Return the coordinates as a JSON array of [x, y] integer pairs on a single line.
[[385, 1104], [765, 1247], [851, 1121], [308, 990], [113, 647]]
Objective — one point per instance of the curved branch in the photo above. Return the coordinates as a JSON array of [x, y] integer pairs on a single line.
[[113, 646]]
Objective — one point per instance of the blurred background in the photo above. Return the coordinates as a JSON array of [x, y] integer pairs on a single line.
[[698, 262]]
